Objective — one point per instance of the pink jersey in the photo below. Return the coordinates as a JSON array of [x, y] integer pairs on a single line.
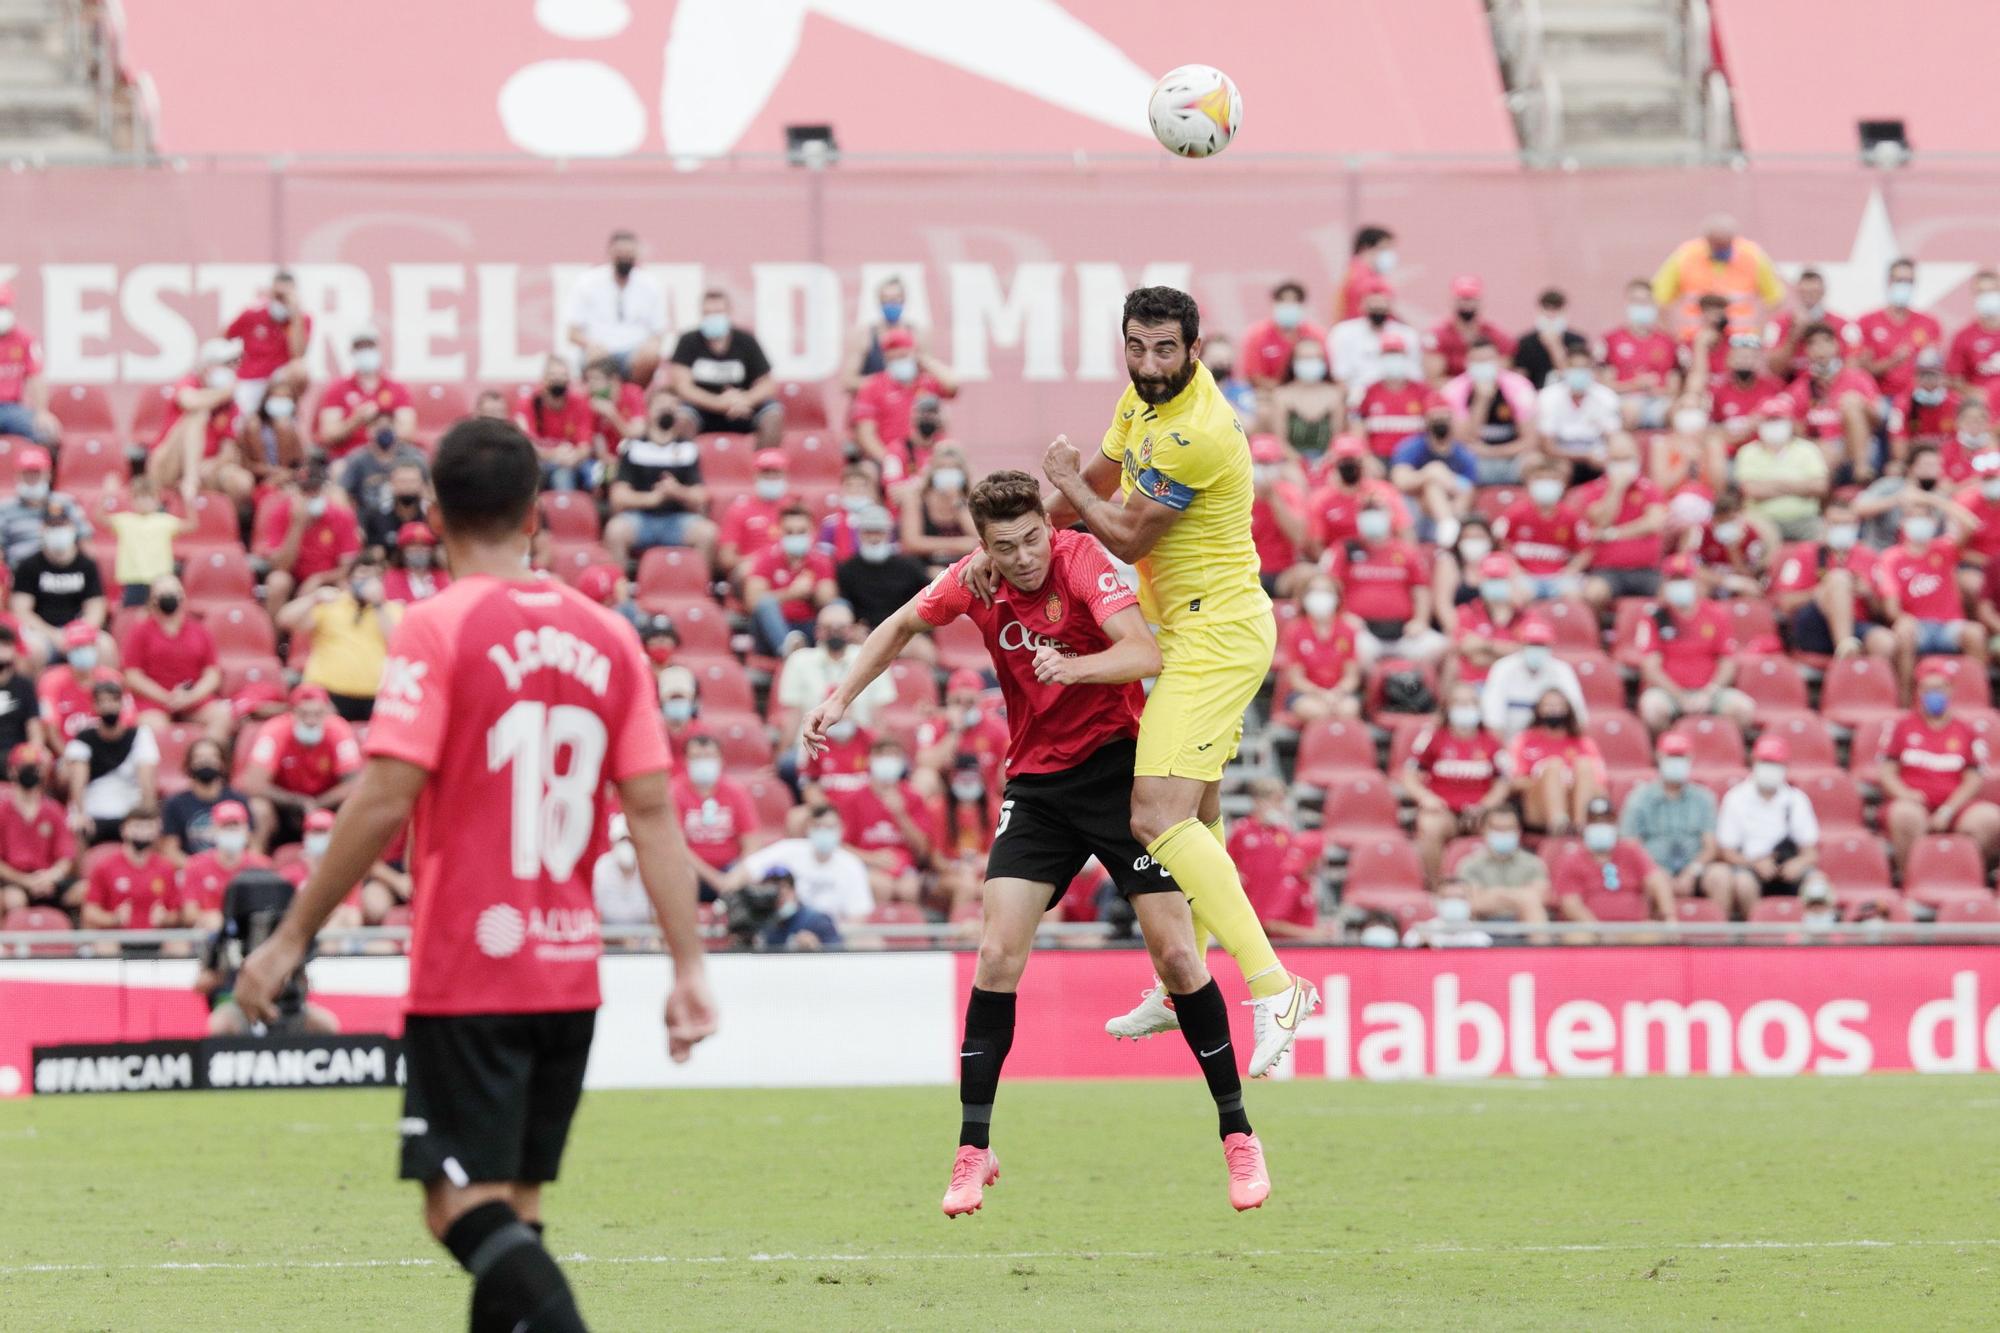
[[1052, 727], [1975, 357], [522, 701], [1924, 583]]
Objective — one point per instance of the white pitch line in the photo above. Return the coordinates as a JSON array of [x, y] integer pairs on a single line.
[[1005, 1256]]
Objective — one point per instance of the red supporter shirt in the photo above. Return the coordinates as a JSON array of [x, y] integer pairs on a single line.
[[204, 877], [328, 541], [869, 826], [1614, 889], [571, 423], [407, 585], [65, 700], [349, 394], [1323, 651], [1390, 414], [221, 421], [776, 568], [717, 823], [1542, 544], [1691, 646], [1627, 552], [20, 359], [1631, 355], [1746, 552], [306, 770], [266, 343], [35, 841], [1381, 581], [1819, 405], [1732, 405], [1975, 357], [1276, 865], [842, 765], [1931, 759], [1475, 620], [169, 660], [1962, 464], [1924, 582], [1275, 551], [1050, 727], [1530, 748], [148, 886], [1928, 423], [524, 702], [750, 525], [1801, 565], [890, 405], [1266, 351], [1883, 334], [986, 742], [1331, 511], [1984, 540], [1781, 329], [1449, 342], [629, 404], [1460, 769]]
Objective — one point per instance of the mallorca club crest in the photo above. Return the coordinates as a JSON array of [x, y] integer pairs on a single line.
[[1053, 608]]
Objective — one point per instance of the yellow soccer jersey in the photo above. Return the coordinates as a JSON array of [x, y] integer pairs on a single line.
[[1190, 454]]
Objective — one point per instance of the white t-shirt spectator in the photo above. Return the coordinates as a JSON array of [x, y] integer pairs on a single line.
[[617, 318], [1752, 824], [1507, 700], [113, 791], [837, 886], [1355, 350], [1578, 426], [620, 896], [810, 674]]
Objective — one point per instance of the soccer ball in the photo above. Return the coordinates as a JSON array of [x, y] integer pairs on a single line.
[[1195, 110]]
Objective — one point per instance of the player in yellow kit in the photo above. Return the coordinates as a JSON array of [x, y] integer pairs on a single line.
[[1177, 461]]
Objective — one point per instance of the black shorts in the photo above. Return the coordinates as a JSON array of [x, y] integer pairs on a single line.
[[1051, 823], [490, 1096]]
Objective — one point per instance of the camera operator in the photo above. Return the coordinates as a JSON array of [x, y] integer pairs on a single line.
[[768, 915], [251, 907]]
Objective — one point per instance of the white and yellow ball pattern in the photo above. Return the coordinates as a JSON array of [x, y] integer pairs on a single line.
[[1195, 110]]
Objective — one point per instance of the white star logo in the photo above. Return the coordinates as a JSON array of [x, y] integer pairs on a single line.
[[1858, 283]]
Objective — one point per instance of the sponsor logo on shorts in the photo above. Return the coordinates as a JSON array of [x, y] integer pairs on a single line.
[[1145, 863]]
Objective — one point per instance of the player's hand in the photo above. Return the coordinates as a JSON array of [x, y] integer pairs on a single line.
[[1061, 462], [367, 412], [1053, 668], [812, 731], [264, 974], [690, 1012], [978, 576]]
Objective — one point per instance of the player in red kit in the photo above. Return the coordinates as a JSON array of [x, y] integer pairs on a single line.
[[1069, 644], [510, 708]]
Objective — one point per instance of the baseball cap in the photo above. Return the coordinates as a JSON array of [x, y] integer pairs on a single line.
[[255, 695], [306, 693], [416, 534], [898, 340], [229, 812], [1676, 743], [1779, 405], [25, 754], [79, 634], [1266, 449], [1496, 566], [777, 875], [319, 821], [1599, 808], [1467, 286], [1680, 565], [769, 460], [34, 458], [1349, 446], [965, 681], [1771, 750], [1537, 631], [598, 583]]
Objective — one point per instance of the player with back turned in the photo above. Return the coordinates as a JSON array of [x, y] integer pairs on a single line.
[[510, 705]]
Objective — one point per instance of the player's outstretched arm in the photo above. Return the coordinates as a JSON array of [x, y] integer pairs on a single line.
[[1129, 530], [667, 870], [883, 646], [380, 806], [1134, 654], [1100, 475]]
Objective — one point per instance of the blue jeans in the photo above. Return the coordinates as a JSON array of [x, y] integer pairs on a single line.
[[582, 477], [767, 620], [19, 419], [661, 530]]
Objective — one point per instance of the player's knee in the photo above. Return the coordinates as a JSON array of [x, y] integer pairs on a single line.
[[1001, 963], [1180, 966]]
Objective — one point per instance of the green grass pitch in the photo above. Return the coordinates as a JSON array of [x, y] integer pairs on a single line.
[[1868, 1203]]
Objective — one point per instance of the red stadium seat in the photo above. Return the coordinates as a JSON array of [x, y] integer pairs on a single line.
[[1969, 686], [1854, 863], [814, 459], [216, 524], [174, 743], [151, 413], [1383, 863], [1717, 742], [703, 630], [94, 464], [1402, 742], [1489, 502], [1864, 749], [1623, 740], [1574, 623], [1602, 683], [727, 461], [218, 574], [1754, 628], [1776, 685], [1699, 911], [724, 688], [1943, 866], [805, 407], [438, 405], [1407, 906], [1455, 853], [1805, 734], [241, 629], [744, 745], [240, 672], [670, 574], [961, 646], [569, 559], [1858, 689], [1984, 911], [900, 914], [1625, 628], [1330, 749], [772, 798], [1835, 798], [1777, 910], [1361, 802], [916, 685], [83, 409], [39, 919], [571, 516]]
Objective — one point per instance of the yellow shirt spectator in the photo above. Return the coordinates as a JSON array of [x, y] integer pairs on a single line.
[[145, 545], [350, 645]]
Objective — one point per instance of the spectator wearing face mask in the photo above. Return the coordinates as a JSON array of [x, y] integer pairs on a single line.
[[721, 370], [1391, 408], [1673, 819], [1931, 770], [877, 579], [133, 887], [273, 332], [1319, 657], [171, 667], [1804, 308], [1436, 473], [299, 762], [37, 847], [962, 730], [1387, 582], [111, 768], [145, 534], [56, 587], [788, 584], [859, 492], [1279, 527], [368, 472], [842, 766], [811, 673], [1917, 583], [188, 819], [1546, 535], [1545, 348], [1446, 347], [400, 499], [1783, 479], [63, 689], [1359, 347], [271, 441], [414, 573], [1610, 877], [866, 353], [889, 824], [1972, 451], [1345, 490], [680, 703], [1892, 337], [24, 393], [1889, 501], [1766, 831], [1503, 880], [717, 814], [1734, 548], [1737, 397], [829, 878], [1708, 344], [1643, 361], [308, 536], [1555, 769], [909, 456], [350, 628], [1494, 411], [1839, 406], [1373, 262], [1219, 355], [1627, 519], [366, 405], [20, 705], [1271, 345], [33, 506], [1517, 681], [1973, 361], [936, 512], [1488, 627], [885, 404], [615, 887], [970, 806], [312, 850], [618, 311], [1578, 414], [1926, 413], [1825, 589], [204, 876], [188, 452], [657, 495], [562, 426], [1687, 661], [617, 404], [1719, 262], [750, 523], [1453, 775], [1308, 410], [1277, 863]]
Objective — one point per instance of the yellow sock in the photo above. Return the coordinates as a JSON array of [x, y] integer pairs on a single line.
[[1207, 876], [1203, 936]]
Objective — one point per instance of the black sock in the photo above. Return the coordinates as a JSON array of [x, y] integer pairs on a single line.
[[1205, 1023], [989, 1034], [515, 1284]]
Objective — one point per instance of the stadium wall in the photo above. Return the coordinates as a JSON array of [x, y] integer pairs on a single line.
[[848, 1019]]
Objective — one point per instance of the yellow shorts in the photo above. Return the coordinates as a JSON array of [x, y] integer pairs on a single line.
[[1194, 716]]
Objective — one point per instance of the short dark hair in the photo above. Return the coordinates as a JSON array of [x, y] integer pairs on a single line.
[[715, 294], [1292, 285], [486, 477], [1805, 273], [1811, 331], [603, 365], [8, 638], [1370, 236], [1002, 495], [795, 510], [1552, 298], [1163, 305], [1480, 340], [623, 234], [1919, 452]]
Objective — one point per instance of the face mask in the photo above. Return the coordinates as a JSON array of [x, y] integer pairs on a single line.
[[367, 360], [967, 793], [1769, 777], [280, 409], [970, 716], [315, 845], [1503, 842], [110, 719], [1288, 315], [1600, 838], [1264, 474], [59, 541], [1621, 469], [1841, 536], [887, 768], [1348, 471], [6, 321], [308, 734], [1535, 657], [1681, 594], [33, 493], [220, 377], [1775, 433], [1826, 369], [1372, 524], [1577, 379], [1987, 304], [1935, 702], [770, 488], [704, 772], [1468, 311], [927, 427], [892, 311], [1545, 491], [715, 327], [168, 603], [825, 841], [1496, 590], [1378, 317], [947, 479], [1395, 368], [795, 544], [903, 369], [1320, 604], [1553, 326], [1918, 531], [141, 845], [875, 552], [316, 506], [278, 311], [232, 841], [1928, 397], [417, 557], [83, 659], [1384, 260], [842, 731], [1675, 768], [1438, 429], [677, 709], [206, 774], [1553, 721], [1309, 370], [1900, 294], [28, 779], [1641, 316], [1465, 717], [1485, 374], [1990, 488], [1728, 533], [1474, 549], [1690, 422]]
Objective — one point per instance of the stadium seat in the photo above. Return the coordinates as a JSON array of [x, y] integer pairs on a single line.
[[94, 464], [1402, 742], [727, 461], [1574, 623], [805, 407], [1864, 749], [1407, 906], [1363, 802], [772, 798], [149, 415], [1776, 685], [1754, 628], [38, 919], [1982, 911], [83, 409], [961, 647], [703, 630], [571, 516], [1598, 676], [814, 459], [1383, 863], [1836, 800], [670, 574], [1623, 741], [916, 685], [569, 559], [1858, 689], [1455, 853], [1772, 911], [174, 742], [216, 524], [1699, 911], [1806, 735], [724, 688], [1854, 863], [1969, 686], [744, 745], [1489, 502], [900, 914], [218, 574], [241, 629], [1717, 743], [1943, 866], [1625, 628], [1330, 749], [239, 673], [438, 405]]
